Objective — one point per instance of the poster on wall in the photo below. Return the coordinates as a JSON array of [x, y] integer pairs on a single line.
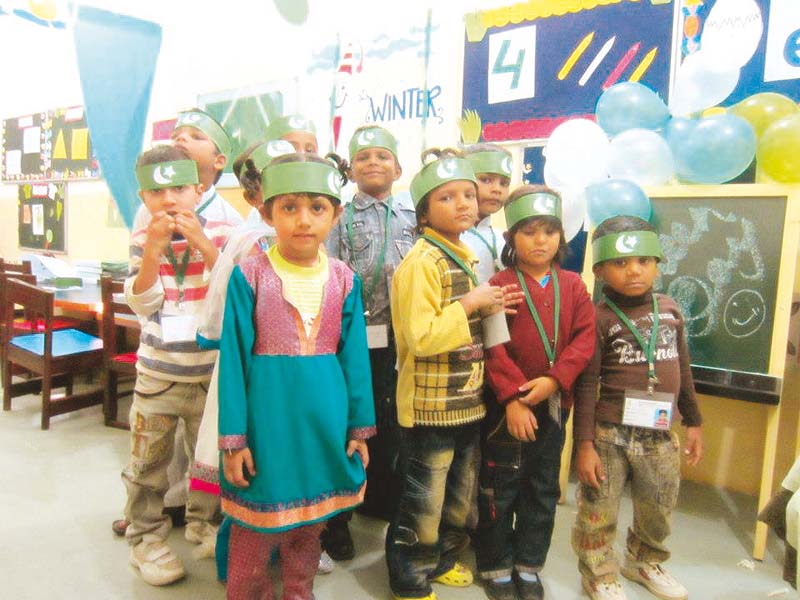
[[70, 153], [42, 216], [23, 156], [524, 77]]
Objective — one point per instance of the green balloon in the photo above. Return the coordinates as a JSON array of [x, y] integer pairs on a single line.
[[762, 110], [294, 11], [779, 150]]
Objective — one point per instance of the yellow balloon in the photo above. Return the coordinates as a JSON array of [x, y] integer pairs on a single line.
[[762, 110], [779, 150], [44, 9], [715, 110]]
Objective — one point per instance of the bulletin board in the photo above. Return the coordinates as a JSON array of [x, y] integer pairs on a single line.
[[42, 216], [23, 148]]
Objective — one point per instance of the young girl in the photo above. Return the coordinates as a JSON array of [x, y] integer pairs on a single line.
[[436, 305], [374, 234], [529, 397], [295, 392], [492, 166]]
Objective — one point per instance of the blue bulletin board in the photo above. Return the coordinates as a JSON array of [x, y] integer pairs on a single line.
[[523, 79]]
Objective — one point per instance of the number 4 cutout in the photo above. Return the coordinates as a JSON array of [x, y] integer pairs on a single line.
[[509, 78]]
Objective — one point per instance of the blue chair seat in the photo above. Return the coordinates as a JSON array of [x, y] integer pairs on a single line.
[[65, 342]]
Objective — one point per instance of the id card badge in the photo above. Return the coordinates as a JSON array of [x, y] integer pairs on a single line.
[[377, 336], [178, 328], [554, 407], [653, 411]]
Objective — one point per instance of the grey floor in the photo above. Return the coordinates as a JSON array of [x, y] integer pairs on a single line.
[[61, 489]]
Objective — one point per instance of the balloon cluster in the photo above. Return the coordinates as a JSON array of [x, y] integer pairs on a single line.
[[638, 141]]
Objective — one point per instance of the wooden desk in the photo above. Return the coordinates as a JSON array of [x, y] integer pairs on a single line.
[[85, 299]]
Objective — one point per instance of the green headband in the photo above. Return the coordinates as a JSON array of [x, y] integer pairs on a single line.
[[167, 174], [537, 204], [495, 162], [283, 125], [301, 177], [439, 172], [373, 137], [263, 154], [625, 244], [206, 124]]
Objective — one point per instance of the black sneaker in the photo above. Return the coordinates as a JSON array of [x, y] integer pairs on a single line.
[[500, 591], [529, 590], [337, 541]]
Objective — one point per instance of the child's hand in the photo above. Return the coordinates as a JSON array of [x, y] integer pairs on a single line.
[[694, 445], [188, 225], [538, 389], [512, 297], [159, 230], [233, 464], [521, 421], [486, 298], [359, 446], [588, 466]]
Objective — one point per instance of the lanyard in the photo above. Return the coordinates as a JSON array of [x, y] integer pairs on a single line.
[[461, 264], [548, 349], [381, 257], [205, 204], [648, 348], [180, 271], [492, 247]]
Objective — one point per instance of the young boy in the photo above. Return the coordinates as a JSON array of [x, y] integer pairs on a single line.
[[492, 166], [642, 363], [297, 130], [169, 262], [260, 155]]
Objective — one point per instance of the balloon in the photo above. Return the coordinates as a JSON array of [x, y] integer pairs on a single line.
[[630, 105], [577, 153], [573, 211], [779, 150], [731, 32], [641, 156], [699, 84], [678, 129], [716, 150], [616, 197], [761, 110]]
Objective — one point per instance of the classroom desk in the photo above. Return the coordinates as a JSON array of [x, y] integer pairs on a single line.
[[87, 300]]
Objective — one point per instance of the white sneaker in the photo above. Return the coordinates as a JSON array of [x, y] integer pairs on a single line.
[[653, 576], [326, 564], [604, 590], [201, 532], [157, 563]]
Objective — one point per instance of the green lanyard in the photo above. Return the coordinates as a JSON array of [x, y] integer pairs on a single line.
[[492, 247], [648, 348], [381, 257], [548, 349], [205, 204], [180, 271], [461, 264]]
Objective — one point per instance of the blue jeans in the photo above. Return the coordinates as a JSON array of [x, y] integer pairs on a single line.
[[517, 479], [439, 466]]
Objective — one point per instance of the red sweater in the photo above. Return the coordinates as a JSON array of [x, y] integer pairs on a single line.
[[523, 358]]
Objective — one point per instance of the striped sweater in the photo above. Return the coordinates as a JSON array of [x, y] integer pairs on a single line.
[[183, 362], [439, 346]]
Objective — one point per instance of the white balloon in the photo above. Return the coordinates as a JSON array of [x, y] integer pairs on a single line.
[[641, 156], [731, 32], [700, 84], [577, 153], [573, 211]]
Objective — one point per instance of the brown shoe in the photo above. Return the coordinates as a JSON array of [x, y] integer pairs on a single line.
[[120, 526]]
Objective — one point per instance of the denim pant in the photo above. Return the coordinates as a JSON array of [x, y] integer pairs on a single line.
[[650, 459], [439, 467], [518, 493]]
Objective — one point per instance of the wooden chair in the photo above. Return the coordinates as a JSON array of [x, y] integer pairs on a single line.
[[117, 364], [23, 267], [54, 355]]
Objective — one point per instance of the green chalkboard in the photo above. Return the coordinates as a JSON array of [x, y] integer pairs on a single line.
[[721, 261]]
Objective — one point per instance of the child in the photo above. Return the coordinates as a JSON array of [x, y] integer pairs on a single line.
[[436, 304], [552, 340], [166, 288], [373, 236], [294, 394], [492, 166], [297, 130], [640, 360]]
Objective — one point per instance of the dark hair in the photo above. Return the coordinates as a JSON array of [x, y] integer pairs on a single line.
[[339, 162], [247, 173], [161, 153], [621, 224], [428, 156], [485, 147]]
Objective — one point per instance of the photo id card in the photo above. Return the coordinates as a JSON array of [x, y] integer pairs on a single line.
[[178, 328], [653, 411], [377, 336]]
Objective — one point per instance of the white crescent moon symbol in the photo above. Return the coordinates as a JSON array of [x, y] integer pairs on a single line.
[[158, 177], [279, 148], [333, 183], [446, 169], [625, 244], [543, 205], [507, 165], [365, 137], [296, 123]]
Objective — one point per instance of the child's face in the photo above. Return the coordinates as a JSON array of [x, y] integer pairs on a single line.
[[302, 223], [536, 245], [632, 276], [374, 170], [492, 193], [172, 199], [452, 208], [304, 142], [199, 147]]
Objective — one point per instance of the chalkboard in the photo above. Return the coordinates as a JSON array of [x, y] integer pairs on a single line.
[[70, 154], [42, 216], [23, 148]]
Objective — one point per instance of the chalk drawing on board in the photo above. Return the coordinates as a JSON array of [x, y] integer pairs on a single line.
[[744, 313]]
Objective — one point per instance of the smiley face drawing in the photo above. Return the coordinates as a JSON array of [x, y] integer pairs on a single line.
[[744, 313]]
